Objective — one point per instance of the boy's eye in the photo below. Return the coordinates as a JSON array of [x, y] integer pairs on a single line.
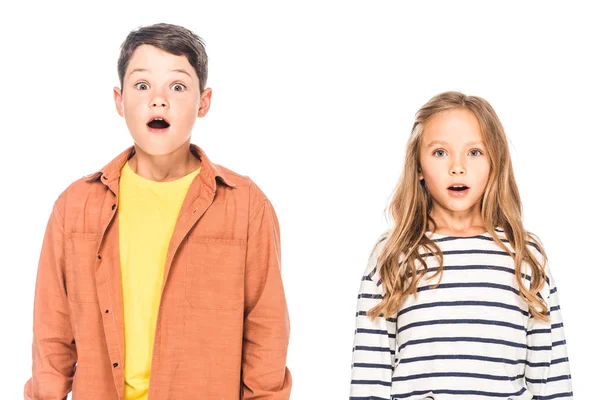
[[178, 87], [475, 152], [439, 153], [142, 86]]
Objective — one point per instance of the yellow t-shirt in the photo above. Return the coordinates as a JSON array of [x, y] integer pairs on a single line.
[[147, 214]]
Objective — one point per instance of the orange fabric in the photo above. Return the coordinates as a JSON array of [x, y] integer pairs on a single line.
[[223, 327]]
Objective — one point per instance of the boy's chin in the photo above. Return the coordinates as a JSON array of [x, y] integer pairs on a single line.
[[158, 149]]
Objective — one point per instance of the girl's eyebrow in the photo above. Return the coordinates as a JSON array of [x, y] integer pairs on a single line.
[[440, 142]]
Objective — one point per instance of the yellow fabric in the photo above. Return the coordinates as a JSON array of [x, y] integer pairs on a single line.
[[147, 214]]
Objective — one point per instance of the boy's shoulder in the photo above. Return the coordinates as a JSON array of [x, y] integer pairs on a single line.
[[95, 185]]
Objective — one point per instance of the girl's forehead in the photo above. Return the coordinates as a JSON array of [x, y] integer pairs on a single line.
[[452, 127]]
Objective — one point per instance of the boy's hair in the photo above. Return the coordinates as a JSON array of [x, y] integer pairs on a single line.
[[411, 206], [173, 39]]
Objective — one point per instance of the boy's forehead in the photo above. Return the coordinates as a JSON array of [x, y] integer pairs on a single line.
[[151, 59]]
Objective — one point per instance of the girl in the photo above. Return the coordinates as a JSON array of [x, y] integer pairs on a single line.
[[457, 301]]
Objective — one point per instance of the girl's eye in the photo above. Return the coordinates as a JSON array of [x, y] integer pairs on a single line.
[[475, 152], [142, 86], [439, 153], [178, 87]]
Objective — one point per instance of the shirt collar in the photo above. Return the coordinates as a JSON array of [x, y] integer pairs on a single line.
[[208, 173]]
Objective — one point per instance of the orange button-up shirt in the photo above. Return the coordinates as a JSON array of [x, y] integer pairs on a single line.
[[223, 327]]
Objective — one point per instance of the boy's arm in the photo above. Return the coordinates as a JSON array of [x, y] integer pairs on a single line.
[[266, 323], [54, 352]]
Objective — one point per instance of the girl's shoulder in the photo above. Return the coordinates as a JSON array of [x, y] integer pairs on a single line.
[[371, 272]]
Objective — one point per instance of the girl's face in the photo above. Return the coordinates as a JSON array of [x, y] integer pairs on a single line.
[[454, 163]]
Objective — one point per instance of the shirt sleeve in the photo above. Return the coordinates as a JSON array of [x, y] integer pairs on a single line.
[[374, 351], [54, 351], [547, 372], [266, 324]]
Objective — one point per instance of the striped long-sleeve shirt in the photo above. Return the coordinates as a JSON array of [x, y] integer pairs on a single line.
[[472, 337]]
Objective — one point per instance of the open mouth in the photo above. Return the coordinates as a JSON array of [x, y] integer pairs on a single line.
[[458, 188], [158, 123]]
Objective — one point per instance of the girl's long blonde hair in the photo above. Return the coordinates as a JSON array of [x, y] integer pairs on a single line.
[[411, 206]]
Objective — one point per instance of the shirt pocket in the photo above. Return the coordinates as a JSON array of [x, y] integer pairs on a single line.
[[215, 273], [80, 259]]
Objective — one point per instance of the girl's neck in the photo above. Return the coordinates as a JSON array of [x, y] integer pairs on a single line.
[[457, 223]]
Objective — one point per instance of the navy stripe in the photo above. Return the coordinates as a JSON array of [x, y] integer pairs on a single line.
[[375, 332], [470, 285], [552, 291], [462, 357], [368, 398], [539, 348], [536, 331], [463, 392], [536, 365], [551, 379], [369, 365], [474, 251], [369, 348], [476, 267], [370, 382], [449, 286], [560, 360], [462, 321], [462, 339], [554, 396], [555, 308], [457, 375], [369, 296], [556, 326], [464, 303], [451, 238], [364, 314]]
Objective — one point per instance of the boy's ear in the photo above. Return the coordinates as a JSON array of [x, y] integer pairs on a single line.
[[118, 100], [204, 102]]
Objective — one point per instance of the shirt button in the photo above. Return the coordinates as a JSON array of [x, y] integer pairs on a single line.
[[115, 365]]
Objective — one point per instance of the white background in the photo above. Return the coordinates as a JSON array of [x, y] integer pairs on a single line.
[[313, 101]]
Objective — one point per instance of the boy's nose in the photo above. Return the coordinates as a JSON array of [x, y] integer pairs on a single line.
[[158, 100], [159, 103]]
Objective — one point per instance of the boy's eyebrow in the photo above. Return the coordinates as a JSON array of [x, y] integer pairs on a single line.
[[441, 142], [183, 71]]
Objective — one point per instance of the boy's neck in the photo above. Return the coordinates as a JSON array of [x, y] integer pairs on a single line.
[[164, 168]]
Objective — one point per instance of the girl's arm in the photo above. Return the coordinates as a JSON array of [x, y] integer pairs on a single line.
[[547, 372], [374, 341]]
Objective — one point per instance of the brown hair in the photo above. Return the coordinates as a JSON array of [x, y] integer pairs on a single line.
[[411, 206], [173, 39]]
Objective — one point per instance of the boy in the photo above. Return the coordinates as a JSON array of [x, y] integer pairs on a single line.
[[161, 262]]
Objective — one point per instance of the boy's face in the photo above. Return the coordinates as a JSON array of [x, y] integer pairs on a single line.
[[160, 86]]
